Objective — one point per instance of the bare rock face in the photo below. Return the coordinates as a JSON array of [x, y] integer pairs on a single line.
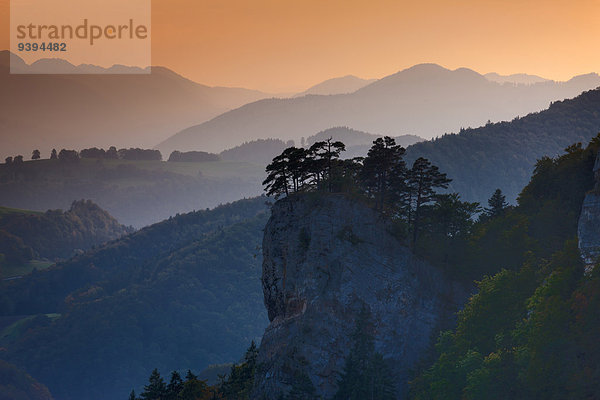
[[324, 257], [588, 229]]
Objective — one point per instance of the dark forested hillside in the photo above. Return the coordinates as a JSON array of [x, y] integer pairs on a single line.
[[17, 385], [530, 332], [45, 292], [184, 293], [503, 155]]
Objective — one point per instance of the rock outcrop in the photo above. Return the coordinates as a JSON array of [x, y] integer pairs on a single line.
[[324, 257], [589, 223]]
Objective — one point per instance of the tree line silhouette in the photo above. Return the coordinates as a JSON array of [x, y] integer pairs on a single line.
[[134, 154], [382, 177]]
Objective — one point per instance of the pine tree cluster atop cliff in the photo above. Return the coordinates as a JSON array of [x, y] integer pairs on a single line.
[[382, 177]]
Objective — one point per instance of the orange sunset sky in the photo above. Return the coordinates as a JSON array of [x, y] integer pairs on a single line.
[[288, 45]]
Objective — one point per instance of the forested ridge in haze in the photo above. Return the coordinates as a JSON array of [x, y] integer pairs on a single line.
[[54, 234], [136, 192], [503, 155], [259, 151], [480, 160]]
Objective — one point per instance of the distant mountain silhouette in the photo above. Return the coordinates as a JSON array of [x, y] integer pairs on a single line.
[[60, 66], [74, 111], [260, 151], [352, 137], [519, 79], [344, 84], [357, 142], [426, 100]]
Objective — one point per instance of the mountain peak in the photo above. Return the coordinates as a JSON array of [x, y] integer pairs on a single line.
[[342, 85], [425, 67], [423, 75], [592, 76], [519, 79]]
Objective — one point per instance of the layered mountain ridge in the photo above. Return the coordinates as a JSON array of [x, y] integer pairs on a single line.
[[425, 100], [120, 108]]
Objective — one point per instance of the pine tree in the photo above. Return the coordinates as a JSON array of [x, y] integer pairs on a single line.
[[297, 167], [423, 180], [366, 375], [175, 386], [156, 389], [286, 173], [35, 155], [381, 169], [189, 376], [194, 388], [53, 155], [240, 381], [132, 395], [322, 159], [112, 153], [497, 204], [276, 183]]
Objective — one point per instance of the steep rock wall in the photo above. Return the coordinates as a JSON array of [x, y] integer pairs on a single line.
[[588, 229], [324, 257]]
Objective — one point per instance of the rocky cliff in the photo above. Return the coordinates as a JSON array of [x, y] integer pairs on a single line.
[[589, 223], [324, 257]]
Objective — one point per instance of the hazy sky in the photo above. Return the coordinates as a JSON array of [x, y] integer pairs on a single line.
[[286, 45]]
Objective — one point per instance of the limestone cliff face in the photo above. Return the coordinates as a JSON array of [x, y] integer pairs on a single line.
[[589, 223], [323, 258]]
